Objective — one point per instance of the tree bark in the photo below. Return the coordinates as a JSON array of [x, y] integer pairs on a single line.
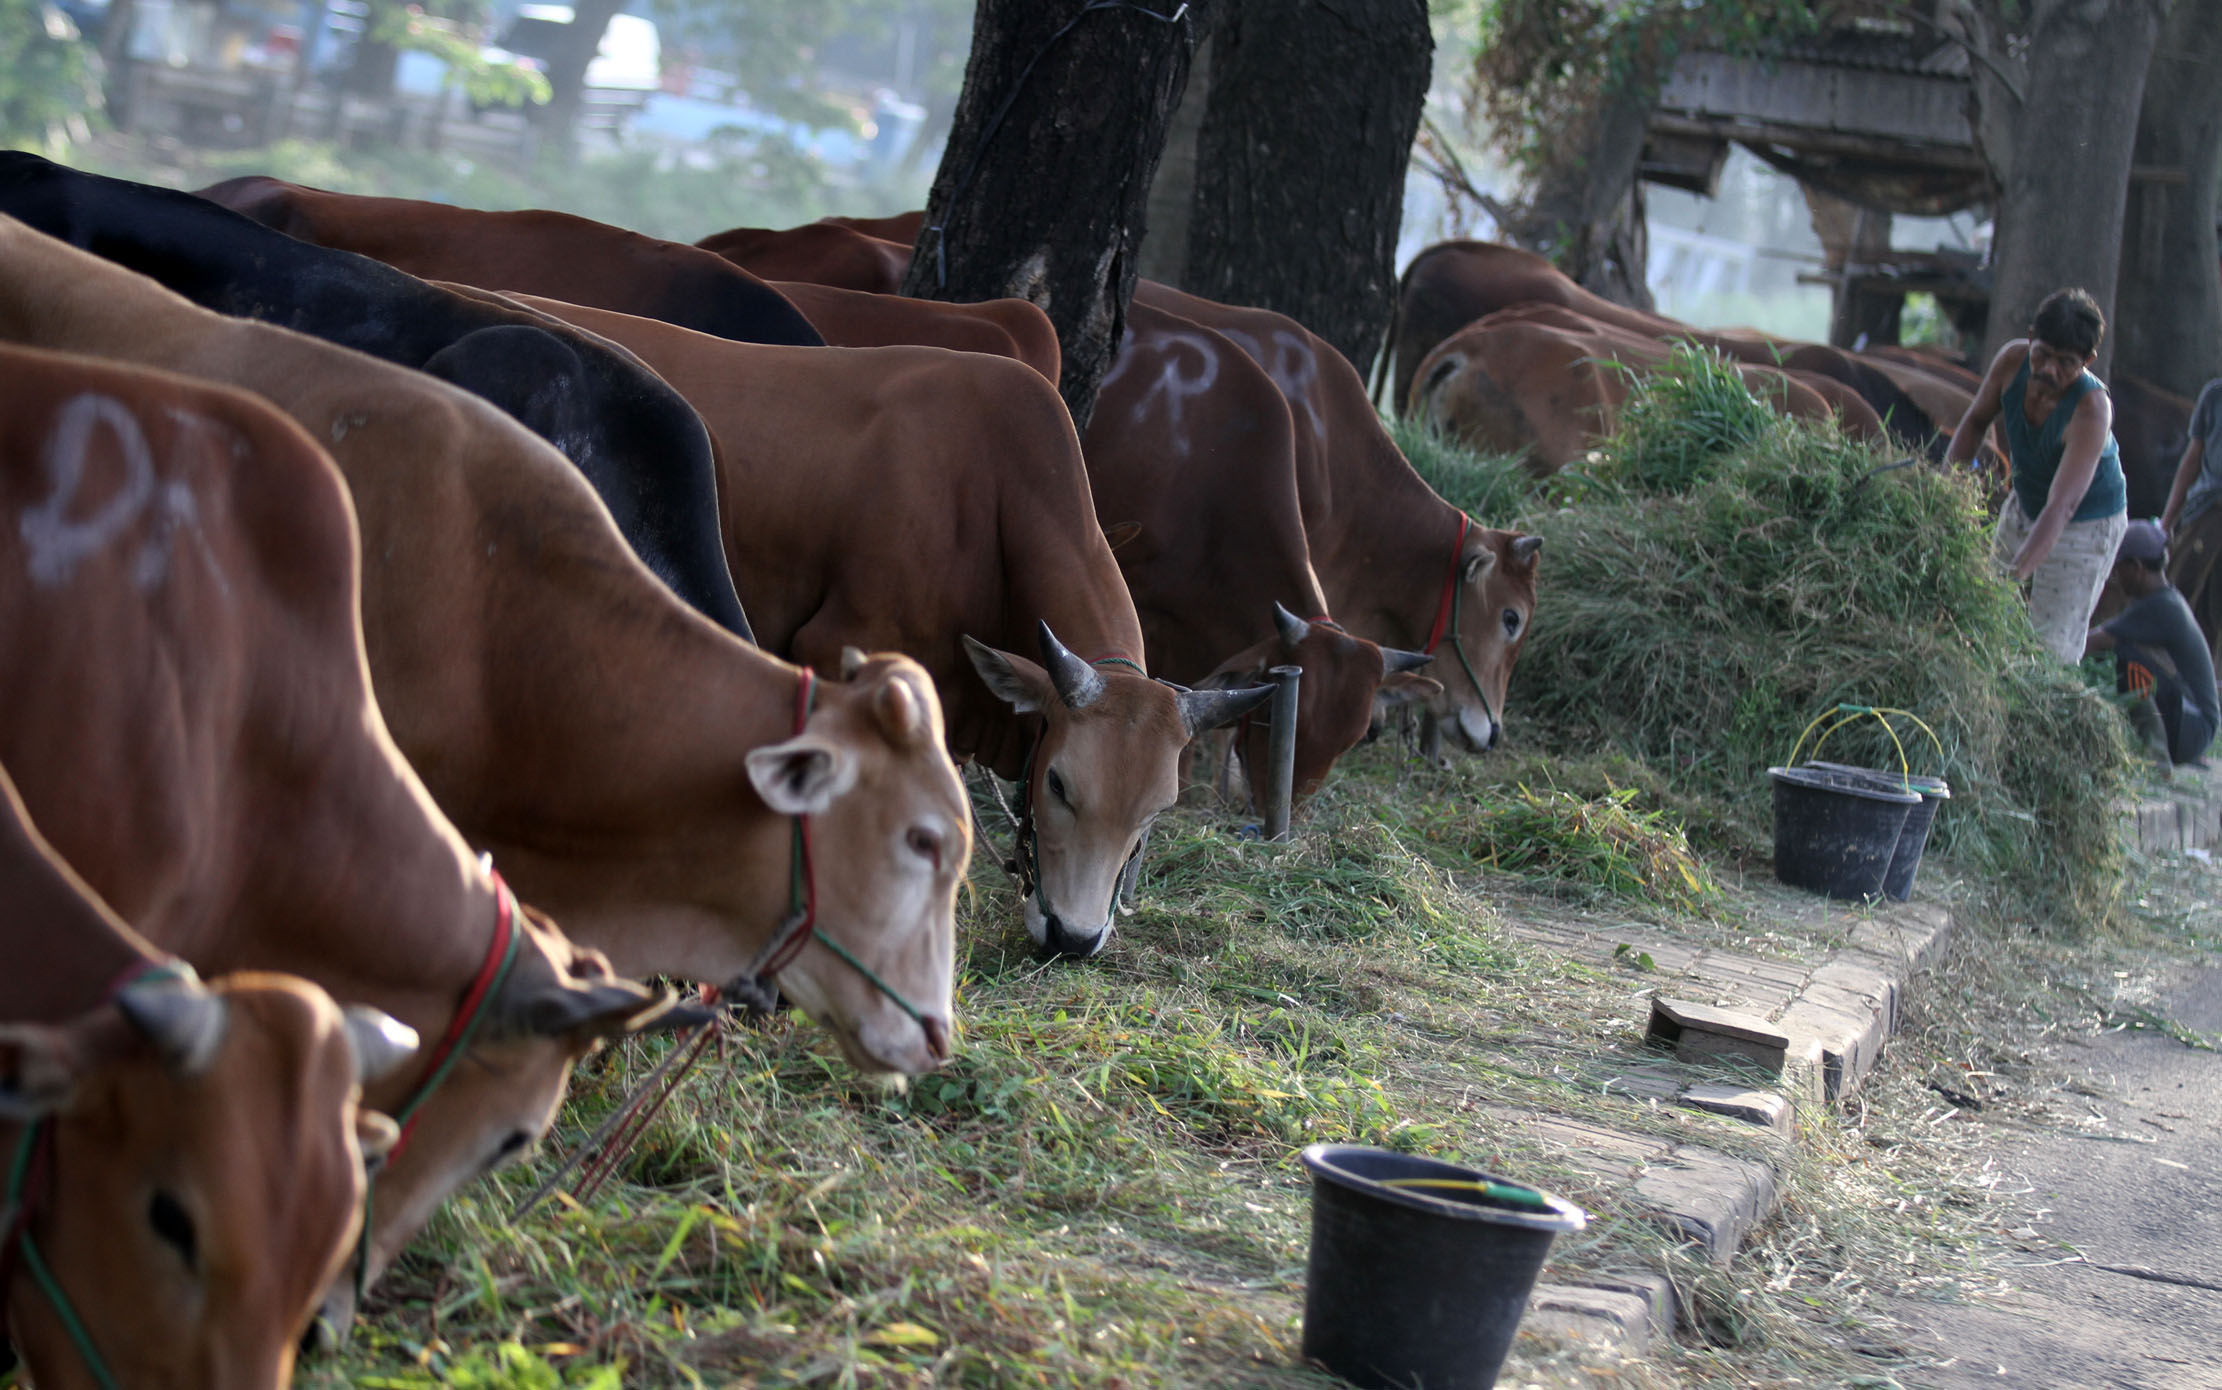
[[582, 39], [1586, 211], [1301, 159], [2067, 174], [1172, 200], [2169, 305], [1041, 193]]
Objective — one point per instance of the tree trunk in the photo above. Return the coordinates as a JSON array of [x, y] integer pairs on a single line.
[[581, 40], [1172, 201], [1041, 193], [1586, 213], [2169, 305], [2060, 212], [1300, 162]]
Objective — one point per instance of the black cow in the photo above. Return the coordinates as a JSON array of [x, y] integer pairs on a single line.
[[640, 445]]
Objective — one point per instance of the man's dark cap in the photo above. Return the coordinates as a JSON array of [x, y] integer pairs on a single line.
[[2144, 542]]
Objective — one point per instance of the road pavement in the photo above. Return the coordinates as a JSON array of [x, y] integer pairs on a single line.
[[2119, 1282]]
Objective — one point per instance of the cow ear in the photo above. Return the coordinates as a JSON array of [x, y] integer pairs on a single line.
[[803, 775], [1478, 564], [39, 1067], [375, 1135], [1016, 681], [1526, 548], [852, 661], [1119, 533]]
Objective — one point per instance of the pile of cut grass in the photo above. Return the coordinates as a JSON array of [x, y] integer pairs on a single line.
[[1718, 579]]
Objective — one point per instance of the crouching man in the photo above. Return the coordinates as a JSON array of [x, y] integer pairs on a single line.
[[2159, 653]]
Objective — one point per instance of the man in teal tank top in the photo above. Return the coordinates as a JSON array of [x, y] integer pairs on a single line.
[[2060, 525]]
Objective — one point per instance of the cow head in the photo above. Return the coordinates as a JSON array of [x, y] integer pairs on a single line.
[[1495, 601], [1108, 761], [556, 1004], [890, 835], [1348, 685], [205, 1178]]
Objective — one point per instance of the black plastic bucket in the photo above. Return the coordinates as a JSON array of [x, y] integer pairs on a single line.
[[1835, 832], [1913, 839], [1420, 1287]]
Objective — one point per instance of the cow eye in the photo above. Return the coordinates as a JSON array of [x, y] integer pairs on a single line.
[[1056, 786], [170, 1222], [1512, 622], [512, 1144], [925, 844]]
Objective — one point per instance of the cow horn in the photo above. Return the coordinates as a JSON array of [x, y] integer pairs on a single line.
[[1525, 547], [1204, 710], [852, 661], [1078, 684], [1395, 660], [381, 1041], [1293, 629], [183, 1021]]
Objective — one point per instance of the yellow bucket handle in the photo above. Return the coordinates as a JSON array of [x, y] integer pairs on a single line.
[[1847, 713]]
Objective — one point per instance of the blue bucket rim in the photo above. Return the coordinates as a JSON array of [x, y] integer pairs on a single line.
[[1814, 779], [1561, 1217]]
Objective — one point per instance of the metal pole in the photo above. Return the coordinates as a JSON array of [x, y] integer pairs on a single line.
[[1281, 755]]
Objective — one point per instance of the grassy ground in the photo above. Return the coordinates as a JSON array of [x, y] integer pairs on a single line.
[[1102, 1189]]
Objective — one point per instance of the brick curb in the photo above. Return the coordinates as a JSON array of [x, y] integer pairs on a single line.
[[1831, 1016]]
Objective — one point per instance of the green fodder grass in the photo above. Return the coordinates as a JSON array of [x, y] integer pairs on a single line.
[[1101, 1189], [1709, 592]]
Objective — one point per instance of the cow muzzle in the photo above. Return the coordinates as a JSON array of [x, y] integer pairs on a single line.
[[1474, 731], [1059, 938]]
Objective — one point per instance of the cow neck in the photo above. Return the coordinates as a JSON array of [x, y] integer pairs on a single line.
[[646, 840], [1444, 630], [30, 1181], [1377, 544], [404, 917]]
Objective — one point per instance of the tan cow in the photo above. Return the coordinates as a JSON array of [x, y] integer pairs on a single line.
[[183, 705], [632, 768], [1543, 381], [195, 1175], [919, 499]]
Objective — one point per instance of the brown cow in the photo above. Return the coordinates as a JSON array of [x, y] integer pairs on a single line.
[[633, 768], [1399, 565], [183, 705], [1545, 381], [197, 1176], [542, 252], [1191, 441], [902, 228], [820, 253], [1455, 283], [1010, 328], [950, 504]]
